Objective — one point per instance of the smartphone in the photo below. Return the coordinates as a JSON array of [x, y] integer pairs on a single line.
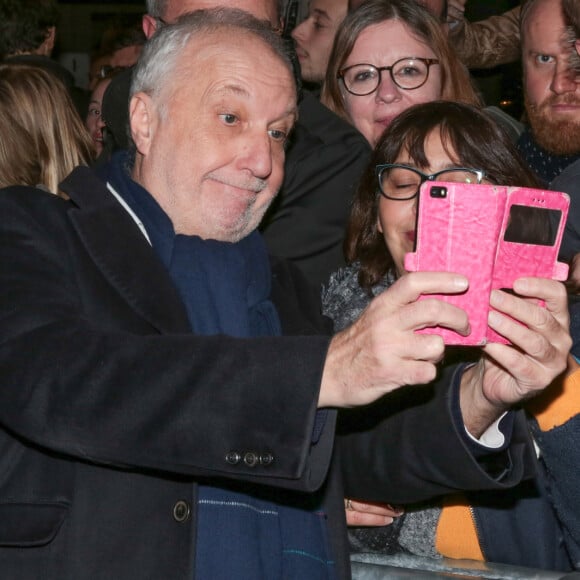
[[490, 234]]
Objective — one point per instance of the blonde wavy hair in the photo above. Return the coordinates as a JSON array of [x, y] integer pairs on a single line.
[[42, 138]]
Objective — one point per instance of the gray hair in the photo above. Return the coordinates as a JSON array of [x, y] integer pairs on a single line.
[[156, 8], [162, 52]]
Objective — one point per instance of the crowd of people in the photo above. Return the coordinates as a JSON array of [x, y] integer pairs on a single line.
[[211, 356]]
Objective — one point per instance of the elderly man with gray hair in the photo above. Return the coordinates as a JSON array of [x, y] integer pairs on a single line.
[[169, 392]]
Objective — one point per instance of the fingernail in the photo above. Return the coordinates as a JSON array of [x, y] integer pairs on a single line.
[[398, 510], [494, 318], [522, 285], [460, 282], [388, 520], [496, 297]]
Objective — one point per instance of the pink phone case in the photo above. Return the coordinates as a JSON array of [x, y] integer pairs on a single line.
[[461, 228], [515, 259]]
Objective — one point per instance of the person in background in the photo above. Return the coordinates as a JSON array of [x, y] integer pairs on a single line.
[[100, 64], [551, 143], [120, 47], [27, 36], [572, 19], [314, 37], [43, 138], [551, 93], [94, 120], [370, 81], [126, 46], [486, 43], [443, 141]]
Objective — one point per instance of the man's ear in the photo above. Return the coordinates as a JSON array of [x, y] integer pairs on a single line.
[[149, 25], [47, 45], [142, 116]]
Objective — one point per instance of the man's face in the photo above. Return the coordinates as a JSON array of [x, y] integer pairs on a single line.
[[552, 94], [213, 153], [315, 35]]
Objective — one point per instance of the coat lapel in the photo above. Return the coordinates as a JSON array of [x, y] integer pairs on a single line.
[[122, 253]]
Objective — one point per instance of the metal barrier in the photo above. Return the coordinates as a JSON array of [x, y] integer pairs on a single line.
[[404, 567]]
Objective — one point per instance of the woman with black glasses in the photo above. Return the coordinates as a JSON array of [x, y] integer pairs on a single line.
[[387, 56], [449, 142]]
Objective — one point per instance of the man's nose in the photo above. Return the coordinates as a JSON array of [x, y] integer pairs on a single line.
[[564, 80], [298, 32], [257, 154]]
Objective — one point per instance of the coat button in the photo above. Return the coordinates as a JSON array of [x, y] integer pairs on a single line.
[[233, 457], [181, 511], [251, 459], [266, 459]]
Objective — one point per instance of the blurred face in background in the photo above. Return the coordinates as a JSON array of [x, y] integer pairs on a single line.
[[315, 35], [94, 120]]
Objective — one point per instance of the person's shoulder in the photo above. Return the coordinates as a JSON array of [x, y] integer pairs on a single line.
[[567, 181], [31, 209], [326, 125], [28, 196], [296, 299]]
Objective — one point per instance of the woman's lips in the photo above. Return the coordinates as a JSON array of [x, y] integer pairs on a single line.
[[385, 121], [411, 236], [301, 54]]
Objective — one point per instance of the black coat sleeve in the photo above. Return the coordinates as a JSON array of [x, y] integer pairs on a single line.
[[408, 447], [84, 375]]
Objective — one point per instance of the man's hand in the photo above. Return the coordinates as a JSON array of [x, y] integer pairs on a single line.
[[455, 11], [359, 513], [509, 374], [381, 351]]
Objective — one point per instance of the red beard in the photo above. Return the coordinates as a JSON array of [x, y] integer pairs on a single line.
[[558, 136]]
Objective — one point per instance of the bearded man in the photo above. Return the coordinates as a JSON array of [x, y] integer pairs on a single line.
[[551, 145], [552, 95]]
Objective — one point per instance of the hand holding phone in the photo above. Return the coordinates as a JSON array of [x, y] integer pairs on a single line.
[[492, 235]]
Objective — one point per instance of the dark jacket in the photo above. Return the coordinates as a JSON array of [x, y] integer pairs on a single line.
[[568, 181], [324, 164], [111, 410]]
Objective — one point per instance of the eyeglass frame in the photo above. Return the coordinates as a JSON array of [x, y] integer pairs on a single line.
[[429, 62], [480, 173]]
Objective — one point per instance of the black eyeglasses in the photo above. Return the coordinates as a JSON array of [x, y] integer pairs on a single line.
[[402, 182], [407, 73]]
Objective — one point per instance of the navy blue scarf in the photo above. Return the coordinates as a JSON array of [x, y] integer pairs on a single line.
[[226, 290]]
